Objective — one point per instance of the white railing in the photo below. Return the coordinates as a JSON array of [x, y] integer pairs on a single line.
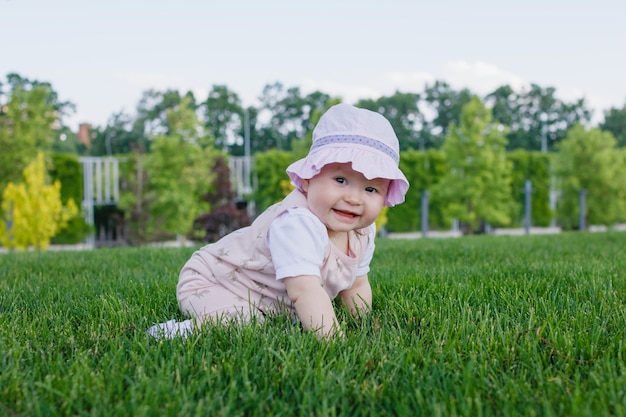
[[100, 185], [241, 175]]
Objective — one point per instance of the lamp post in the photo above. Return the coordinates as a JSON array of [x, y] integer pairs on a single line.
[[544, 140]]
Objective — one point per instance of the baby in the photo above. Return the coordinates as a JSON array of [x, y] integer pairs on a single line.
[[308, 249]]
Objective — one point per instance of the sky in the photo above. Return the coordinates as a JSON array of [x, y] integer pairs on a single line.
[[102, 55]]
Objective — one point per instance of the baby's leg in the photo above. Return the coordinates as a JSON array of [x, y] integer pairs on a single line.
[[211, 302]]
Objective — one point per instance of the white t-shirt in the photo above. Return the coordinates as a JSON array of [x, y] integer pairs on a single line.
[[294, 255]]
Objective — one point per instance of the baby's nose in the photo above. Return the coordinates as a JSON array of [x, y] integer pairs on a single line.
[[353, 196]]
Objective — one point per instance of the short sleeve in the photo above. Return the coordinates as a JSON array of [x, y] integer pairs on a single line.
[[297, 241], [364, 265]]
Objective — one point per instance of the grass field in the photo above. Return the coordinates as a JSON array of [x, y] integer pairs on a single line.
[[477, 326]]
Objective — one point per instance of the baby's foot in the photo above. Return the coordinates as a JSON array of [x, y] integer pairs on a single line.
[[171, 329]]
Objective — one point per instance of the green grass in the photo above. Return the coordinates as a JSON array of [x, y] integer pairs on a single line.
[[478, 326]]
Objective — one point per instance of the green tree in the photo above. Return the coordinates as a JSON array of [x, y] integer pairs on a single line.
[[66, 142], [533, 166], [446, 104], [291, 116], [224, 117], [33, 211], [301, 146], [615, 122], [423, 169], [273, 182], [402, 111], [589, 160], [178, 171], [153, 111], [67, 169], [477, 187], [121, 135], [535, 116], [30, 114]]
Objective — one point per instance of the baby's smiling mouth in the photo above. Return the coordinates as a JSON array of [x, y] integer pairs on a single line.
[[343, 213]]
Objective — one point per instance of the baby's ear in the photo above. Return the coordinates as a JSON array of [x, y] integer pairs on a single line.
[[305, 185]]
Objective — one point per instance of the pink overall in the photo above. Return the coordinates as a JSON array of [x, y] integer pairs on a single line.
[[234, 278]]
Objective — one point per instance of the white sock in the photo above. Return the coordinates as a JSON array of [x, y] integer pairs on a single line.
[[171, 329]]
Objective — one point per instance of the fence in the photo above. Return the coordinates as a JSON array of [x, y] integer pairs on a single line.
[[100, 186]]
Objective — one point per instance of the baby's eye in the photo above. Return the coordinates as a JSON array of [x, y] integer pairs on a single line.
[[340, 180], [371, 189]]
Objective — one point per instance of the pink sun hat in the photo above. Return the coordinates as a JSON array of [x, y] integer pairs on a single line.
[[364, 138]]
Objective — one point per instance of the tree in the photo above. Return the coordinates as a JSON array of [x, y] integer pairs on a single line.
[[476, 189], [223, 113], [33, 211], [274, 181], [227, 214], [531, 166], [67, 169], [588, 160], [401, 109], [615, 122], [153, 108], [291, 116], [66, 142], [178, 170], [423, 169], [121, 135], [447, 104], [535, 117], [30, 114]]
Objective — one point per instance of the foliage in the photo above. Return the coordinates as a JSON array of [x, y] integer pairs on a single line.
[[178, 172], [121, 136], [292, 116], [535, 114], [223, 113], [31, 119], [66, 142], [270, 167], [483, 326], [33, 211], [382, 219], [135, 200], [66, 168], [401, 109], [227, 214], [476, 189], [535, 167], [588, 160], [423, 170], [300, 146], [447, 105], [27, 124], [615, 122], [153, 109], [162, 190]]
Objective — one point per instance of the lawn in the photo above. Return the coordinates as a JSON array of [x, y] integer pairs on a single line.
[[476, 326]]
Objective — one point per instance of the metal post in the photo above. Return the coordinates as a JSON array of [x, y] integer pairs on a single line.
[[582, 215], [424, 213], [88, 197], [527, 206], [246, 133], [248, 165]]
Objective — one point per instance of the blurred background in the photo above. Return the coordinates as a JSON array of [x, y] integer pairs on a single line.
[[162, 120]]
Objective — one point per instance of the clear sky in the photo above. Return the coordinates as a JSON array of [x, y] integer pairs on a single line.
[[101, 55]]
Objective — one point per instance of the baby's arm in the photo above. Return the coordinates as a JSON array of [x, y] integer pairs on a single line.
[[358, 298], [312, 304]]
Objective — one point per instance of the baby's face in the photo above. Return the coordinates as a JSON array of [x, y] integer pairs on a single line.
[[343, 199]]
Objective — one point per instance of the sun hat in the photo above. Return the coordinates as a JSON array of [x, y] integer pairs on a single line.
[[364, 138]]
